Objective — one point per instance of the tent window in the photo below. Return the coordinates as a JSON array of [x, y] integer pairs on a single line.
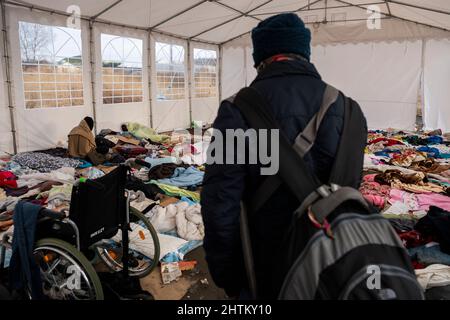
[[205, 73], [121, 69], [170, 74], [51, 66]]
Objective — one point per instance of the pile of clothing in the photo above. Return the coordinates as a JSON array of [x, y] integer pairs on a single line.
[[407, 177], [169, 182]]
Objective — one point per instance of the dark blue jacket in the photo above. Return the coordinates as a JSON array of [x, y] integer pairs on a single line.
[[294, 90]]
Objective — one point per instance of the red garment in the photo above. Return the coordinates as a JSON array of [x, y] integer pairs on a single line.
[[412, 239], [8, 179], [131, 151], [387, 142], [418, 265]]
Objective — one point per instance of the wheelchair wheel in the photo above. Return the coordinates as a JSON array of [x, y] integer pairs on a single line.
[[139, 265], [65, 271]]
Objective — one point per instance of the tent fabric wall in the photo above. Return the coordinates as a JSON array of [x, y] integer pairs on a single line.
[[437, 85], [113, 115], [233, 70], [203, 109], [43, 127], [383, 77], [6, 140], [169, 114]]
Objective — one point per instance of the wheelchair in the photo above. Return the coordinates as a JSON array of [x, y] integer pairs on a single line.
[[66, 242]]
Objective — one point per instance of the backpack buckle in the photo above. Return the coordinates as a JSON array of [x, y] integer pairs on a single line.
[[325, 225]]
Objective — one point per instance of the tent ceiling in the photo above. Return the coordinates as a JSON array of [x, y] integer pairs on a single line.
[[219, 21]]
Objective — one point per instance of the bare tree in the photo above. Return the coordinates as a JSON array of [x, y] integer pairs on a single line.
[[33, 38]]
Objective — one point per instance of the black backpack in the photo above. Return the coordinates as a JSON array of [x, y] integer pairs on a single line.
[[337, 246]]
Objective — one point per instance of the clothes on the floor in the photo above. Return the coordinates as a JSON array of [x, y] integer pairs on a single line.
[[8, 179], [435, 275], [184, 177], [131, 151], [63, 175], [436, 224], [421, 201], [43, 162], [176, 191], [92, 173], [429, 254], [59, 195], [402, 225], [144, 132], [157, 161], [150, 190], [182, 216], [162, 171]]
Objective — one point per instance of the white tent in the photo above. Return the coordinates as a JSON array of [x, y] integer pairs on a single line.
[[165, 63]]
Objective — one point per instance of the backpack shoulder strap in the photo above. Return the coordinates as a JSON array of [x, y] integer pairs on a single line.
[[305, 140], [303, 143], [255, 110]]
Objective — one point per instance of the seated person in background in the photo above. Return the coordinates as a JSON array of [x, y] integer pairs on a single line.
[[81, 139], [82, 143]]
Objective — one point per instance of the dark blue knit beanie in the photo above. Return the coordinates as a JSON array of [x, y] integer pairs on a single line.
[[283, 33]]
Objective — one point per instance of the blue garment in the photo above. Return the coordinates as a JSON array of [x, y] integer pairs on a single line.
[[188, 200], [24, 270], [429, 255], [385, 153], [184, 177], [157, 161], [434, 152], [434, 140], [84, 164], [294, 91]]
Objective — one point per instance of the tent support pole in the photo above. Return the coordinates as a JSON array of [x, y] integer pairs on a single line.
[[106, 9], [219, 81], [149, 71], [189, 70], [243, 14], [92, 71], [421, 93], [8, 76]]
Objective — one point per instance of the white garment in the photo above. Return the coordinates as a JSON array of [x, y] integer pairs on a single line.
[[190, 223], [399, 208], [142, 241], [63, 175], [435, 275], [185, 218], [142, 174]]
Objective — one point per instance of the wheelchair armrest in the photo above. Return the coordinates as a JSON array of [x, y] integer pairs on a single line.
[[58, 215]]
